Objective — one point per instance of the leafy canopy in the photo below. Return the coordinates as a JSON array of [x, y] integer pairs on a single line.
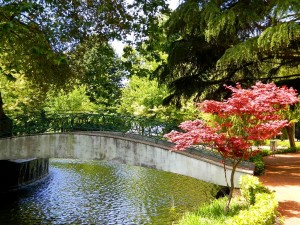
[[72, 101], [21, 96], [216, 42], [35, 35], [143, 97], [100, 70]]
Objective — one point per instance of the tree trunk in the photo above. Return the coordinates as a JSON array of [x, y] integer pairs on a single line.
[[291, 135], [5, 122], [231, 190], [1, 106]]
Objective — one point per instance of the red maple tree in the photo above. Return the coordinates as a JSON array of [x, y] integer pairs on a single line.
[[235, 124]]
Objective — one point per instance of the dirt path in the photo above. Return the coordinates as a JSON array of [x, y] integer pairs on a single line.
[[283, 176]]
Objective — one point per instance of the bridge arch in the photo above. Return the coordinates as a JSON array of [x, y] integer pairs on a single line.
[[118, 147]]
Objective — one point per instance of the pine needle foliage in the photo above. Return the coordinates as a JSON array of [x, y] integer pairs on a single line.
[[217, 42]]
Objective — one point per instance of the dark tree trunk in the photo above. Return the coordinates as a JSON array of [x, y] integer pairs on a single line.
[[291, 135], [231, 190], [6, 123]]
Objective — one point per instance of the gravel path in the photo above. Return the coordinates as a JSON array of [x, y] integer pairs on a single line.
[[283, 176]]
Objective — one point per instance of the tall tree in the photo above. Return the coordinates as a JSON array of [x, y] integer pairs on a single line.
[[101, 71], [75, 100], [36, 35], [143, 97], [216, 42]]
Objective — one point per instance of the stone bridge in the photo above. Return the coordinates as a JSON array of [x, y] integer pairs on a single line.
[[120, 147]]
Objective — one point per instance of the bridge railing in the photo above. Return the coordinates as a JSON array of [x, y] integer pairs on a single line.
[[70, 122]]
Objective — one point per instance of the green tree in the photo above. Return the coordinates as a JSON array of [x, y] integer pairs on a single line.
[[35, 35], [139, 62], [46, 29], [143, 97], [75, 100], [101, 71], [219, 42], [20, 95]]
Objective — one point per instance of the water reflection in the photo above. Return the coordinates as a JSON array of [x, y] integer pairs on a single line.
[[96, 192]]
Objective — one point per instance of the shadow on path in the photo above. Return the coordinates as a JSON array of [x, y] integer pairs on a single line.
[[282, 175]]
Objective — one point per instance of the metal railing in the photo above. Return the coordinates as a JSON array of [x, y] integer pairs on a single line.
[[43, 122]]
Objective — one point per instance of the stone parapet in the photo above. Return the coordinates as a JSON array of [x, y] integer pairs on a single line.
[[15, 174]]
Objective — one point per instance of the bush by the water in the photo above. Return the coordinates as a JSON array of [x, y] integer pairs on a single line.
[[256, 205]]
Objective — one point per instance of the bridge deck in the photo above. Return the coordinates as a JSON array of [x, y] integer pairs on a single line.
[[125, 148]]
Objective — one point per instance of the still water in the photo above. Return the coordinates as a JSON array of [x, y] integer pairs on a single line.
[[97, 192]]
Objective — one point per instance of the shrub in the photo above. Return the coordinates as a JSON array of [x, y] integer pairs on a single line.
[[250, 186], [288, 150], [259, 164], [264, 211], [265, 152], [259, 207]]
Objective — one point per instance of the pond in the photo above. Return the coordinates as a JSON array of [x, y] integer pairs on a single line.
[[98, 192]]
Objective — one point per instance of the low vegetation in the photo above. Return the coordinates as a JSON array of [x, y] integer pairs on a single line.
[[283, 143], [255, 205], [259, 164]]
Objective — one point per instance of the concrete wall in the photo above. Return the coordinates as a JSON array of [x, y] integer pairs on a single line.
[[108, 146], [21, 173]]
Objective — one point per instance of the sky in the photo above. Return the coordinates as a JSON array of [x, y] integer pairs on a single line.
[[118, 45], [173, 3]]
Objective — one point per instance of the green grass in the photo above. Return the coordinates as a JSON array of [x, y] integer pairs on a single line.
[[213, 213], [256, 205], [283, 143]]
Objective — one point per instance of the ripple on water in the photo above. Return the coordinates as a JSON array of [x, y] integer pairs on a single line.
[[96, 192]]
